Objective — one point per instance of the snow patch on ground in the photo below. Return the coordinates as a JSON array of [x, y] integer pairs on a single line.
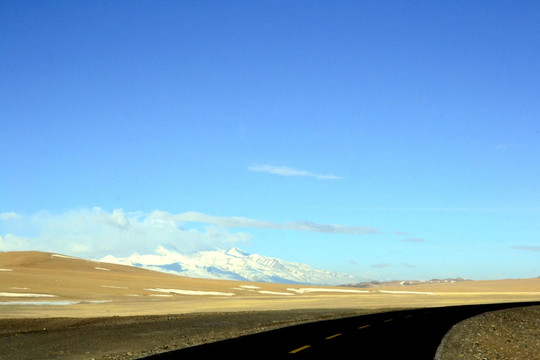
[[8, 294], [63, 256], [100, 268], [310, 290], [406, 292], [191, 292], [6, 269], [114, 287], [249, 287], [54, 303], [273, 292]]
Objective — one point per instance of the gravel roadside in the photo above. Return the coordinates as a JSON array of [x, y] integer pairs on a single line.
[[512, 334], [123, 338]]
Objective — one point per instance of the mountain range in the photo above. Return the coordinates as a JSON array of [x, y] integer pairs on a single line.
[[232, 264], [380, 284]]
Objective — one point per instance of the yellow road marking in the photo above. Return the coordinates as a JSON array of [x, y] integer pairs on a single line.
[[388, 320], [363, 327], [299, 349], [333, 336]]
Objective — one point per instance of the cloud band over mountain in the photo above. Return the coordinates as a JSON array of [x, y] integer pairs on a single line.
[[241, 222], [96, 232]]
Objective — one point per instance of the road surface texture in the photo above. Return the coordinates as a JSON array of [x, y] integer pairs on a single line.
[[407, 334]]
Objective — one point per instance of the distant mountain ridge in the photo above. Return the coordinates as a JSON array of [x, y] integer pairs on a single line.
[[232, 264], [368, 284]]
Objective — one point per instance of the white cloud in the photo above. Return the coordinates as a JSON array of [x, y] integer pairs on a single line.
[[241, 222], [338, 229], [414, 240], [380, 266], [10, 242], [228, 222], [288, 171], [117, 218], [98, 233], [408, 265], [504, 147], [8, 216]]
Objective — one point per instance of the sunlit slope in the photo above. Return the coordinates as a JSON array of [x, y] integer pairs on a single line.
[[71, 278], [38, 284]]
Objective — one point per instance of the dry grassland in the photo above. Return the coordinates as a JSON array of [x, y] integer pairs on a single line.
[[37, 284], [69, 308]]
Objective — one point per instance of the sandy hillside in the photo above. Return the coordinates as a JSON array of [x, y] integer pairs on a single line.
[[38, 284]]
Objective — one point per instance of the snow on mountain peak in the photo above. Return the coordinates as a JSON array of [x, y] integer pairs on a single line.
[[236, 252], [232, 264]]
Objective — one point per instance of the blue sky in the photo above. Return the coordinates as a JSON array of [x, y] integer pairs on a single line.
[[388, 139]]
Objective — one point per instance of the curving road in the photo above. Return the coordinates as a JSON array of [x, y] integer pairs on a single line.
[[407, 334]]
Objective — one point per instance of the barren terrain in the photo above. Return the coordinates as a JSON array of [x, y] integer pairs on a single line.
[[505, 334], [50, 300]]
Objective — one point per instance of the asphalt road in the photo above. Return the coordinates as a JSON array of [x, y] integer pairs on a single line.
[[407, 334]]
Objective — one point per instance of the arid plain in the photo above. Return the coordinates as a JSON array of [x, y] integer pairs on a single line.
[[69, 308], [37, 284]]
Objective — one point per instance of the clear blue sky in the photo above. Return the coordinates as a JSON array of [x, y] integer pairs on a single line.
[[413, 127]]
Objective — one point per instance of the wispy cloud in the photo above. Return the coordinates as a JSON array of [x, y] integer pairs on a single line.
[[380, 266], [504, 147], [8, 216], [410, 266], [526, 247], [415, 240], [453, 210], [96, 232], [223, 221], [242, 222], [288, 171]]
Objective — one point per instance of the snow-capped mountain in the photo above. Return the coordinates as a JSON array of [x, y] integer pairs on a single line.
[[232, 264]]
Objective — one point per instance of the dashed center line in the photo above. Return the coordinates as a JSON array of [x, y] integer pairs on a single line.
[[333, 336], [363, 327], [388, 320], [299, 349]]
